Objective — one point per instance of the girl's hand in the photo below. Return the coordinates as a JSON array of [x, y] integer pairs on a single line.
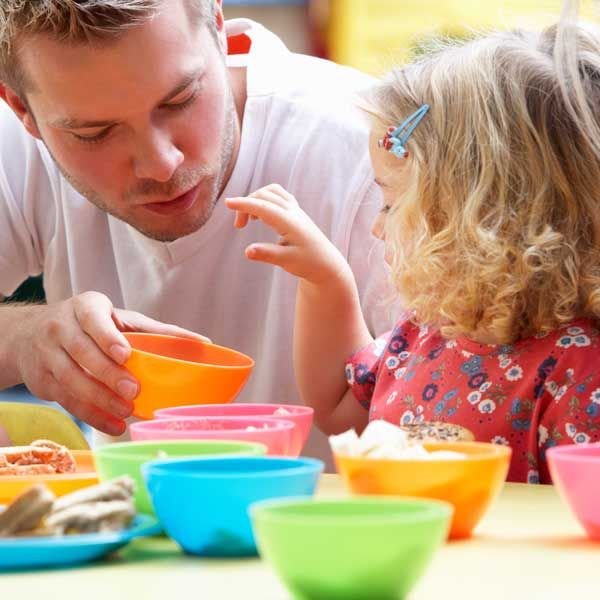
[[303, 249]]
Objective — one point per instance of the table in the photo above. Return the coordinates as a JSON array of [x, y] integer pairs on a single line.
[[528, 546]]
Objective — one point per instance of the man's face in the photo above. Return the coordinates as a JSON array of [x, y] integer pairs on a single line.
[[144, 126]]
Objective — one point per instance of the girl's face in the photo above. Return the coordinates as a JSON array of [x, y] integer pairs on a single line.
[[391, 175]]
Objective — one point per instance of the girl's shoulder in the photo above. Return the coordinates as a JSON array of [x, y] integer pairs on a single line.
[[407, 336], [581, 334]]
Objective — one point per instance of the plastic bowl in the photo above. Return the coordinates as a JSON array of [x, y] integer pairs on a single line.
[[575, 471], [126, 458], [203, 503], [469, 484], [360, 548], [61, 483], [174, 371], [275, 434], [301, 416]]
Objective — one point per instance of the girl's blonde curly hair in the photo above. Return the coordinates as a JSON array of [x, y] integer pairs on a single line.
[[498, 235]]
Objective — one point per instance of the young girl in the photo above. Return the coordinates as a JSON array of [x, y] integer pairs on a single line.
[[491, 221]]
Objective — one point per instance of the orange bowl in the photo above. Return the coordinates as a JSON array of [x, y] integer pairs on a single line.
[[469, 484], [174, 371], [61, 484]]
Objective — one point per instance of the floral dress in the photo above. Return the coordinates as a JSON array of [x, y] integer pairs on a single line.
[[537, 393]]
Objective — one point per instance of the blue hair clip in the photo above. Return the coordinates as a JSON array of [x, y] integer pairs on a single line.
[[396, 137]]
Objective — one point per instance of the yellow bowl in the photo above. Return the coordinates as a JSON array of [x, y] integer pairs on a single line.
[[175, 371], [61, 484], [469, 484]]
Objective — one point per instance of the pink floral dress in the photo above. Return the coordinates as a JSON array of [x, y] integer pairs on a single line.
[[534, 394]]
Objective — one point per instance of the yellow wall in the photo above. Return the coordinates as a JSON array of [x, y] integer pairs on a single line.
[[372, 35]]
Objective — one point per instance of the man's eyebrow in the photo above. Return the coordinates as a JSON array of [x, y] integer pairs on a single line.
[[184, 83], [69, 123]]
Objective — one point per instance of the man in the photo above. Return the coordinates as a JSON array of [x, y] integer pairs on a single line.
[[126, 123]]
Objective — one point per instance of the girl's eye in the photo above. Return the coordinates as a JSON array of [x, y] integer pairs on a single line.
[[385, 209], [92, 139]]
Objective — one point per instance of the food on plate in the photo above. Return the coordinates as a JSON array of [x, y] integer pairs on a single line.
[[382, 439], [26, 511], [41, 457], [107, 506]]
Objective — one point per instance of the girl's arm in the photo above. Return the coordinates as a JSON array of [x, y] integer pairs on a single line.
[[329, 327], [329, 324]]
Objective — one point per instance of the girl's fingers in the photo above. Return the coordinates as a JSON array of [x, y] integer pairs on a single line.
[[271, 214], [273, 254], [281, 192], [241, 220], [275, 198]]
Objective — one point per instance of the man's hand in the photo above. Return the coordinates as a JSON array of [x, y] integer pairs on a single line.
[[72, 352], [303, 249]]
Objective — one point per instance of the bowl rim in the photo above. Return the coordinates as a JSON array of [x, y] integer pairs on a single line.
[[574, 453], [490, 452], [251, 364], [429, 508], [300, 409], [154, 424], [303, 465], [107, 450]]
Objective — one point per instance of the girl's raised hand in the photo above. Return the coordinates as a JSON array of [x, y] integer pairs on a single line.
[[302, 249]]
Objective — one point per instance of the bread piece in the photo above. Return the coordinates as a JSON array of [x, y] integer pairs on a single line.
[[26, 511], [104, 515], [437, 431], [120, 488]]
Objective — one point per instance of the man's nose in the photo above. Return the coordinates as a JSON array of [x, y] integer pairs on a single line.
[[157, 157]]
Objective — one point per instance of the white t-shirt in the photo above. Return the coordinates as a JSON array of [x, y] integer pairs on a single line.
[[300, 130]]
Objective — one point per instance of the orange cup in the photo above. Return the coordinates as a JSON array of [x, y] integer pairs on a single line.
[[175, 371], [469, 484]]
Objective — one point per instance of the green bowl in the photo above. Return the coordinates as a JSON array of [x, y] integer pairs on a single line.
[[126, 458], [350, 549]]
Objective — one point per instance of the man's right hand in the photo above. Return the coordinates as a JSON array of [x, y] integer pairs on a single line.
[[72, 352]]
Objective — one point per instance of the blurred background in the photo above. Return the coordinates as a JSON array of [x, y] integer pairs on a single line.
[[370, 35], [373, 35]]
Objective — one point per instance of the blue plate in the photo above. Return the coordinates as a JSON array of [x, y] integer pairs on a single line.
[[54, 551]]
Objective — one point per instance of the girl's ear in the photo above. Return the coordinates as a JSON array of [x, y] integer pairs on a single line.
[[20, 108]]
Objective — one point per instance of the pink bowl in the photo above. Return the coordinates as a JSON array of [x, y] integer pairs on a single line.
[[301, 416], [575, 470], [275, 434]]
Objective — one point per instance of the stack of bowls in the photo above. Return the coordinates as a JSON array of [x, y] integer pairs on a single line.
[[301, 416], [275, 434]]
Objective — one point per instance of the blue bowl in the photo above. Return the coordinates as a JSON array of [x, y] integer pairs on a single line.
[[203, 503]]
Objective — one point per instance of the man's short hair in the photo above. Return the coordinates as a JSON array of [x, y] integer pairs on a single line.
[[75, 21]]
